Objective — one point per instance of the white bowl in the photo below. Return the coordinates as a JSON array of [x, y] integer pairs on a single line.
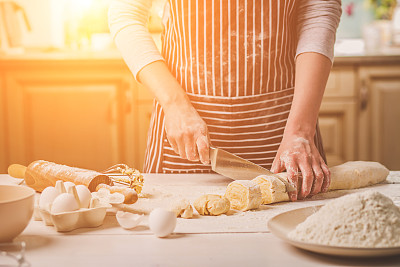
[[16, 209]]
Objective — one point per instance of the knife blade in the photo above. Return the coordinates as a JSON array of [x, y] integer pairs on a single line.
[[237, 168]]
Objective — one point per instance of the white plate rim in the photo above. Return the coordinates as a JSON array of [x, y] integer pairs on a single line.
[[327, 249]]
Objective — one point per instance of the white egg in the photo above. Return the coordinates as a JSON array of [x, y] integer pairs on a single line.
[[162, 222], [84, 195], [64, 203], [47, 197]]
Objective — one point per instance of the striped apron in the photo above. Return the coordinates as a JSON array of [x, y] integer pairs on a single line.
[[236, 61]]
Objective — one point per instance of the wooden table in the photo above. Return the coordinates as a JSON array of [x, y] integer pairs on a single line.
[[110, 245]]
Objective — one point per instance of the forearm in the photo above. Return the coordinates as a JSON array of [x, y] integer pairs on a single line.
[[166, 89], [186, 131], [317, 22], [297, 152], [312, 71]]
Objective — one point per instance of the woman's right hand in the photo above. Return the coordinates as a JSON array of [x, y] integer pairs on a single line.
[[187, 132]]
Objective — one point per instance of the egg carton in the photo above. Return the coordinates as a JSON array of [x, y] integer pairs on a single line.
[[91, 216], [68, 221]]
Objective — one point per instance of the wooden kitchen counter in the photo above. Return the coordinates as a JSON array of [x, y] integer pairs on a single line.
[[196, 242]]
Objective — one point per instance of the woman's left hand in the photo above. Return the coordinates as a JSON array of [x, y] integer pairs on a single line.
[[298, 153]]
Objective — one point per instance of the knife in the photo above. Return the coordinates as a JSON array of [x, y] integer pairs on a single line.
[[237, 168]]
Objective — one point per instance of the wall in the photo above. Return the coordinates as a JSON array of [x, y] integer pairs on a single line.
[[47, 22], [355, 14]]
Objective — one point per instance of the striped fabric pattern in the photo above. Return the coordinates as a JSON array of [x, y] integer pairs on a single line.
[[235, 59]]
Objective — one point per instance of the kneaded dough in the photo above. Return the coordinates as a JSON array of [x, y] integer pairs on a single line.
[[349, 175], [183, 209], [212, 205], [244, 195], [357, 174]]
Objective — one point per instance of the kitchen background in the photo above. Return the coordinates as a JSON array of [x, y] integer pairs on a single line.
[[66, 95]]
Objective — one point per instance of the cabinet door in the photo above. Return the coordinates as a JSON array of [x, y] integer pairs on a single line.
[[341, 83], [144, 107], [144, 116], [3, 142], [72, 116], [337, 125], [381, 115], [337, 116]]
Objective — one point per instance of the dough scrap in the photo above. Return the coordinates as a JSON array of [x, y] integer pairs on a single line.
[[349, 175], [183, 209], [212, 205], [244, 195]]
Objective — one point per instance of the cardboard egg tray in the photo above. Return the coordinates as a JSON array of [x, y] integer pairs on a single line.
[[68, 221]]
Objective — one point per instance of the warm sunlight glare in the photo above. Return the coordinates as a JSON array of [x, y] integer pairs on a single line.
[[82, 5]]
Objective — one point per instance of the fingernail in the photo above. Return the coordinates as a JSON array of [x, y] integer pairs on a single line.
[[293, 196]]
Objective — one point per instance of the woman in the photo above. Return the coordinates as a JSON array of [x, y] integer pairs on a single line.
[[247, 76]]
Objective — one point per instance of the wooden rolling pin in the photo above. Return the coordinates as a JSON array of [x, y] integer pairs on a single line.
[[41, 174]]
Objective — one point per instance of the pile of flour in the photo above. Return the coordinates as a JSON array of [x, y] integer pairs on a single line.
[[366, 219]]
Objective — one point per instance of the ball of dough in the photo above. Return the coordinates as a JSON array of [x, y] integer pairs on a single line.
[[212, 205], [244, 195]]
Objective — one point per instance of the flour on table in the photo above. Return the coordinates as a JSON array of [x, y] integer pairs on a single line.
[[393, 178], [366, 219], [162, 194]]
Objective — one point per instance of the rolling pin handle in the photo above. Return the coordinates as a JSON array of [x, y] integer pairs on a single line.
[[17, 171]]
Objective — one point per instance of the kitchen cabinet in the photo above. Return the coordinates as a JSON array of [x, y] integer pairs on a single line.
[[144, 108], [360, 115], [337, 117], [76, 112], [380, 115], [337, 125], [3, 141]]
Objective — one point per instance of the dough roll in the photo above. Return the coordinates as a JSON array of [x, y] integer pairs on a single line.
[[272, 189], [244, 195], [349, 175], [212, 205], [41, 174]]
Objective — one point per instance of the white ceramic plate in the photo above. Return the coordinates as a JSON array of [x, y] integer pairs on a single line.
[[283, 223]]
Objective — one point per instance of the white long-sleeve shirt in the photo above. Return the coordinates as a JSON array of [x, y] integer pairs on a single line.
[[317, 21]]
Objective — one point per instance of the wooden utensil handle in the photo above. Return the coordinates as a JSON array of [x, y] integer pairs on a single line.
[[129, 193], [17, 171], [41, 174]]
